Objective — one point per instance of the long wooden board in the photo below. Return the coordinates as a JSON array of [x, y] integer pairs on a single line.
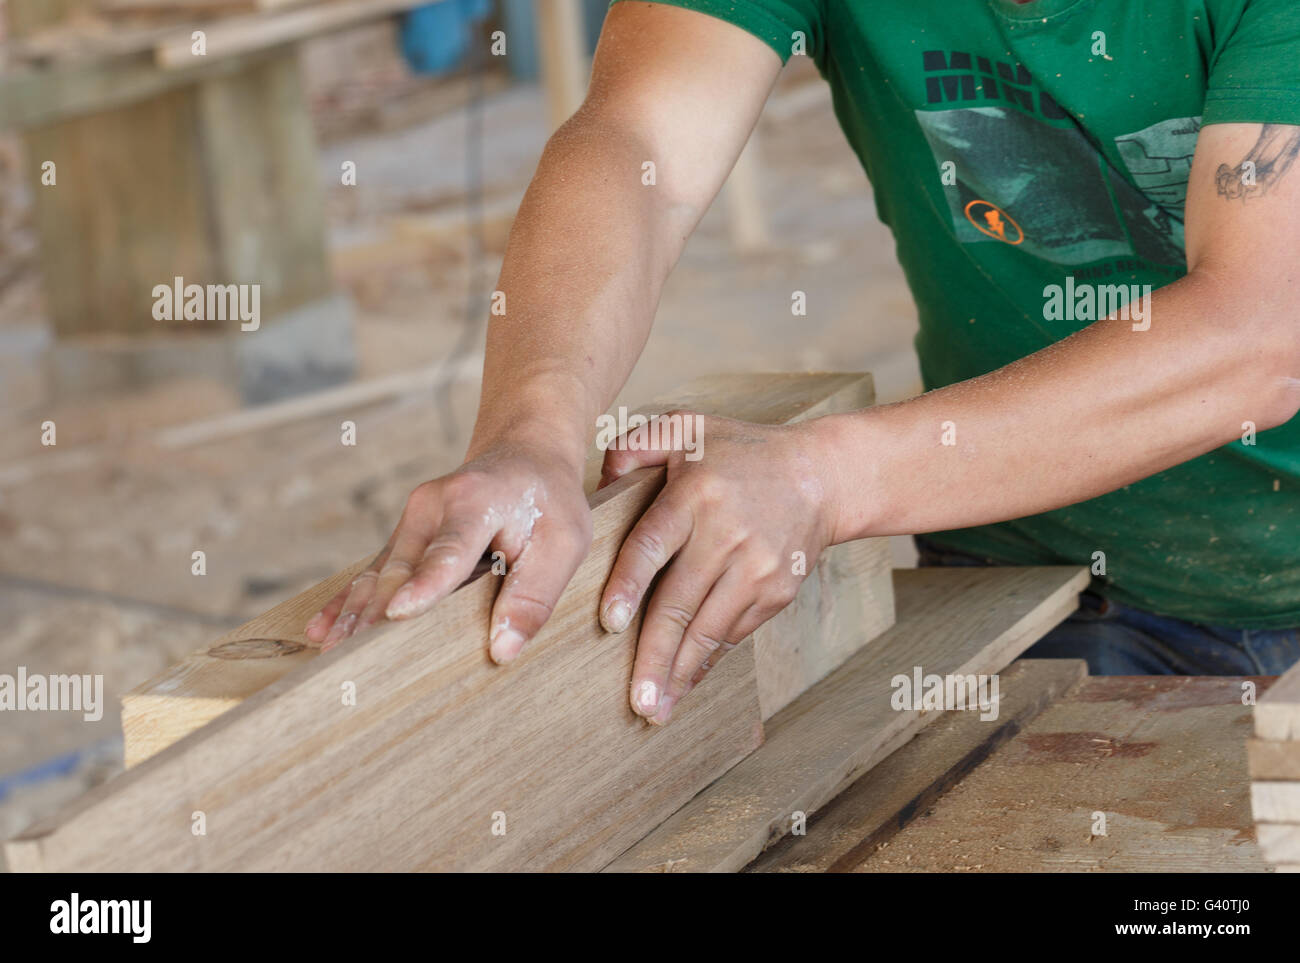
[[886, 798], [950, 621], [846, 600], [244, 34], [445, 761]]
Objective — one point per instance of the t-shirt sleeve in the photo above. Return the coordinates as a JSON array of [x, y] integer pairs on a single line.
[[778, 23], [1255, 76]]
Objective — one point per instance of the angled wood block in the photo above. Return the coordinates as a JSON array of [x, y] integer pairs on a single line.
[[1280, 842], [950, 621], [1277, 715], [441, 748], [1273, 760], [1275, 802], [846, 600]]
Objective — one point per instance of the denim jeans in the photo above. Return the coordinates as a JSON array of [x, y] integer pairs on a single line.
[[1117, 639]]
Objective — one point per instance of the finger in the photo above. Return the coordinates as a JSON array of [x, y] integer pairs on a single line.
[[724, 621], [535, 579], [672, 607], [656, 537], [409, 542], [362, 587], [319, 625], [447, 560], [745, 625], [638, 448]]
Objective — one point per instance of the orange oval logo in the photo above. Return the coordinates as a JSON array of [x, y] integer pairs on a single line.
[[992, 220]]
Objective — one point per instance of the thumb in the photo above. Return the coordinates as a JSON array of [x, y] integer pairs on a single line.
[[645, 446]]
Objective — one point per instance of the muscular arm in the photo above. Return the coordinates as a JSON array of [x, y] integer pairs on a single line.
[[1102, 408], [593, 242], [1108, 405], [594, 239]]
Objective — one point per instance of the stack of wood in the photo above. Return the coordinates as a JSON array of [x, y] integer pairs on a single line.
[[83, 31], [1275, 772], [404, 748]]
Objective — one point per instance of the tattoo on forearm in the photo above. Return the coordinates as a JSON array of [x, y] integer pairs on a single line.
[[1265, 165]]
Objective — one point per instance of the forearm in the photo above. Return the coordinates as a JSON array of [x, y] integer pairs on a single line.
[[583, 269], [1096, 411]]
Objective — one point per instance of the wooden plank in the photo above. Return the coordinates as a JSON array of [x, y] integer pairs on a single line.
[[1273, 760], [240, 35], [743, 195], [1280, 842], [25, 17], [846, 601], [1275, 801], [34, 97], [263, 184], [1277, 714], [219, 677], [1159, 756], [562, 45], [190, 7], [440, 746], [950, 621], [440, 743], [129, 212], [871, 811]]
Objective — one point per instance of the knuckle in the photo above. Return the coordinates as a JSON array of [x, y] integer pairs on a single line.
[[525, 608], [674, 613], [773, 604], [760, 566], [705, 645], [447, 541], [464, 484], [569, 539], [423, 497], [654, 661], [651, 547], [396, 567], [708, 488]]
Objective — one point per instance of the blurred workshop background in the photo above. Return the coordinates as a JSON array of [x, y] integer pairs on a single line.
[[360, 161]]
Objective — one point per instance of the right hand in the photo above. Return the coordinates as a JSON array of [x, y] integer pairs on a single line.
[[516, 499]]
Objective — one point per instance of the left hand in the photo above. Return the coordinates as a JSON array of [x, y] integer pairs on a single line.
[[726, 527]]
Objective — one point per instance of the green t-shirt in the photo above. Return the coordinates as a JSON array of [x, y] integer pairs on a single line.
[[1070, 127]]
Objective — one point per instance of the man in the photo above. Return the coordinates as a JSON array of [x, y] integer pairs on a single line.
[[1095, 205]]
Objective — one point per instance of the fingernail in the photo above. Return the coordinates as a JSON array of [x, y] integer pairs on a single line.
[[342, 628], [403, 604], [505, 645], [647, 697], [313, 625], [665, 711], [617, 615]]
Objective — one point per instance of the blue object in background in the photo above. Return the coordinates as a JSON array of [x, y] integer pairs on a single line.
[[434, 38]]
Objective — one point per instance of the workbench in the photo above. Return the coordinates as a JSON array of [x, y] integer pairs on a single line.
[[1162, 757], [882, 722]]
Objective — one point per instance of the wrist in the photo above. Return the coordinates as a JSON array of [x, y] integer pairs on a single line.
[[545, 419], [854, 452]]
